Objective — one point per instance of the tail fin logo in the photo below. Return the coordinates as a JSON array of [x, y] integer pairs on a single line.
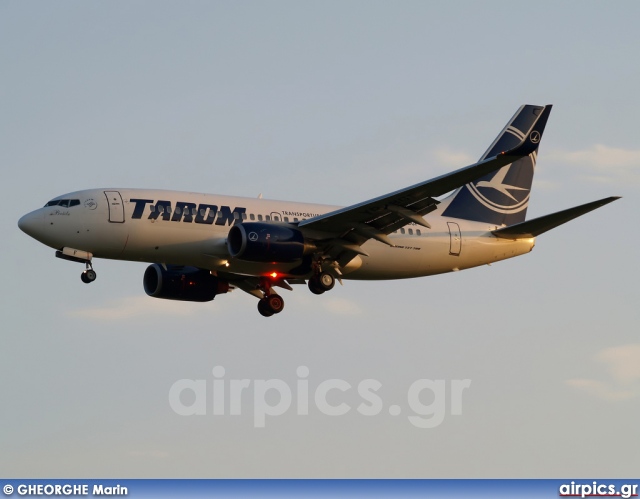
[[508, 190], [535, 137]]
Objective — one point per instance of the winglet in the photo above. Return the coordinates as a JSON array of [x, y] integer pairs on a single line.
[[537, 226]]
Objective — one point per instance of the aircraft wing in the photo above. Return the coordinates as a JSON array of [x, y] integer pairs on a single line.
[[350, 227]]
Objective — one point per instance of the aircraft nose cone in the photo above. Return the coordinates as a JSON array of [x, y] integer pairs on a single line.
[[31, 223]]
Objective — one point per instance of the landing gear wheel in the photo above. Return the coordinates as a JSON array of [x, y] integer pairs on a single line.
[[326, 281], [264, 309], [269, 305], [314, 287], [88, 276], [275, 303], [322, 282]]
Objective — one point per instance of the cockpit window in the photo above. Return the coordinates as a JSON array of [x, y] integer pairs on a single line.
[[65, 203]]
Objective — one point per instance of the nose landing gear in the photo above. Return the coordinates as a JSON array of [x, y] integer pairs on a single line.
[[89, 275], [79, 256]]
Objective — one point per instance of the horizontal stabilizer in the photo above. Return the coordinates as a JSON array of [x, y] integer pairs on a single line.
[[537, 226]]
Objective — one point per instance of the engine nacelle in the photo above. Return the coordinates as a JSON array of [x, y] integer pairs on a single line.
[[182, 283], [260, 242]]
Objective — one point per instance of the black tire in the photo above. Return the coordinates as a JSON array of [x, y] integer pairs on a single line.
[[314, 287], [91, 275], [84, 278], [326, 281], [275, 303], [264, 309]]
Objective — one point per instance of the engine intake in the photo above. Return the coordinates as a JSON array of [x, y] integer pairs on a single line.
[[260, 242], [182, 283]]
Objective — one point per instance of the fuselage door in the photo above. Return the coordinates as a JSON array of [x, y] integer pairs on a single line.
[[116, 206], [455, 239]]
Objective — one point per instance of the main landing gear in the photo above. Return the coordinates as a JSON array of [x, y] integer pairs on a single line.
[[89, 275], [271, 303], [321, 282]]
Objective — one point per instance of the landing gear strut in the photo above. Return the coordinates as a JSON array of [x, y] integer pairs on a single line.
[[271, 303]]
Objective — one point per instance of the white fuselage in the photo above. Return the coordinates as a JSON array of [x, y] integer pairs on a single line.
[[124, 224]]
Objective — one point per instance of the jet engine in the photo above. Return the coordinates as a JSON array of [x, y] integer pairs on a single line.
[[182, 283], [260, 242]]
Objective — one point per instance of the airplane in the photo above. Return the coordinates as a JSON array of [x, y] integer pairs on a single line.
[[203, 245]]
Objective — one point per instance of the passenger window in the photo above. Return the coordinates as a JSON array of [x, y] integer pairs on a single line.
[[401, 231], [252, 216], [277, 219], [178, 210], [267, 218], [418, 232], [168, 209], [244, 216], [160, 209], [260, 218], [202, 212], [411, 232], [286, 219], [295, 219]]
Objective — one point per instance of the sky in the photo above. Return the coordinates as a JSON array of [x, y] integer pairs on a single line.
[[328, 102]]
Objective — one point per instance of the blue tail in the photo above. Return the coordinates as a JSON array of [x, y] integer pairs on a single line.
[[502, 197]]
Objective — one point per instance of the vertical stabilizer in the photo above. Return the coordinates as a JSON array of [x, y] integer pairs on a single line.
[[502, 197]]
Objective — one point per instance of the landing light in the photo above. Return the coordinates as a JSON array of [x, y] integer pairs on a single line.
[[274, 274]]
